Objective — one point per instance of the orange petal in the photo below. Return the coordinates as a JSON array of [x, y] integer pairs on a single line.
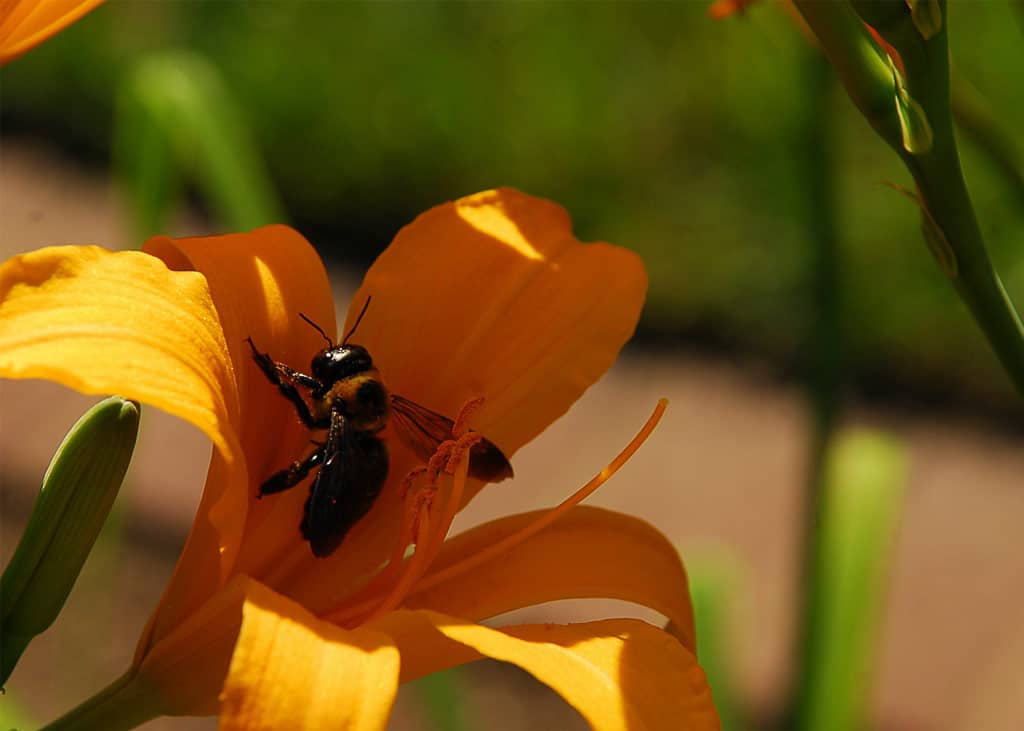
[[618, 673], [187, 665], [492, 296], [589, 553], [262, 661], [25, 24], [489, 295], [259, 282], [290, 670]]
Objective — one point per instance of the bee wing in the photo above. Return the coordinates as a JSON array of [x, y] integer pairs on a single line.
[[422, 430], [352, 475]]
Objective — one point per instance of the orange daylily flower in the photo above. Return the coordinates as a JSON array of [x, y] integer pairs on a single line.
[[24, 24], [491, 296]]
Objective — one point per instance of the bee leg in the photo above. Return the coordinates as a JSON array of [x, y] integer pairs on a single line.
[[285, 379], [294, 474]]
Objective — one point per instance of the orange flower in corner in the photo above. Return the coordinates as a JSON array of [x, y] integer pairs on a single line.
[[24, 24], [490, 296]]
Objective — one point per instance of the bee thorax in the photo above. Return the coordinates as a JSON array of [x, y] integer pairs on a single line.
[[364, 401]]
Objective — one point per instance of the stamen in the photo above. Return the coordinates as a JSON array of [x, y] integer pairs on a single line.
[[460, 472], [414, 569], [551, 516], [369, 594], [356, 611], [461, 425]]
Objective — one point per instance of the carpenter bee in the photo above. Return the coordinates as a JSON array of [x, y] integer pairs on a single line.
[[348, 398]]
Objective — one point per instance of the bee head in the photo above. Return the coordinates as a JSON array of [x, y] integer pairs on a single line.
[[341, 361]]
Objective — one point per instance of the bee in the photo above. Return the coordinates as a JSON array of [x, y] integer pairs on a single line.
[[347, 397]]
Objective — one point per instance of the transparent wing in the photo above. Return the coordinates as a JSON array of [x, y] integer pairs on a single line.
[[422, 430]]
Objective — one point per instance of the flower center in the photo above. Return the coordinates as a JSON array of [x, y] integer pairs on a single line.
[[421, 527]]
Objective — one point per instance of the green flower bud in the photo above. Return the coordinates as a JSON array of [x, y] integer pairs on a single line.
[[914, 125], [78, 491]]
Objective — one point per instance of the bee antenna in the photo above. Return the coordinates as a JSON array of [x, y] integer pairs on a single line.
[[358, 320], [318, 329]]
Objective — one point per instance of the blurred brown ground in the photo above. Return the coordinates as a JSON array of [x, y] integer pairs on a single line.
[[721, 477]]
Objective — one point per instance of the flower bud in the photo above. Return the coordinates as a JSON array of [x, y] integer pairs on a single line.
[[914, 124], [78, 491]]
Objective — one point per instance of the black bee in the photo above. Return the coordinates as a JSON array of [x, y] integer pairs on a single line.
[[347, 398]]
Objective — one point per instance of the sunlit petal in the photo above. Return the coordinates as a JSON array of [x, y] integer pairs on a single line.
[[619, 674], [104, 323], [587, 553], [489, 295], [25, 24], [259, 282], [290, 670]]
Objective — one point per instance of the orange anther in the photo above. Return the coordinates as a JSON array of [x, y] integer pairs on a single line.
[[461, 425]]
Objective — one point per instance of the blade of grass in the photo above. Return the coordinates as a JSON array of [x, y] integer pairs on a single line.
[[176, 123], [865, 476], [714, 583]]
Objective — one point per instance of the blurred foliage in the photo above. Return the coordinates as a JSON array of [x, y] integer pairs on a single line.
[[866, 475], [658, 128]]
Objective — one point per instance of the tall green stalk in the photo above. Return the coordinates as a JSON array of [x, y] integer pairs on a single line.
[[824, 353], [909, 108]]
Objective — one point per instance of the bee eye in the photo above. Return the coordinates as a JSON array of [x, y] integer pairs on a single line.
[[341, 361]]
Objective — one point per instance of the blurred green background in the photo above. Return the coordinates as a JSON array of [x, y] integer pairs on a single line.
[[659, 129]]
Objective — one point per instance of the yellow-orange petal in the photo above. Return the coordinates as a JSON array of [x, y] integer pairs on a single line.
[[25, 24], [489, 295], [291, 670], [103, 323], [588, 553], [259, 283], [618, 673]]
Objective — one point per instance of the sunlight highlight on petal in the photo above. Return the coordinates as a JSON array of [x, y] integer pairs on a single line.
[[105, 323], [618, 673], [291, 670]]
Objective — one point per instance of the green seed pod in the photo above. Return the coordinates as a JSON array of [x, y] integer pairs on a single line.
[[78, 491]]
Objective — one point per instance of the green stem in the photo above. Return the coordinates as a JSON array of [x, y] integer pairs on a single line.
[[825, 347], [946, 203], [857, 61], [124, 704]]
